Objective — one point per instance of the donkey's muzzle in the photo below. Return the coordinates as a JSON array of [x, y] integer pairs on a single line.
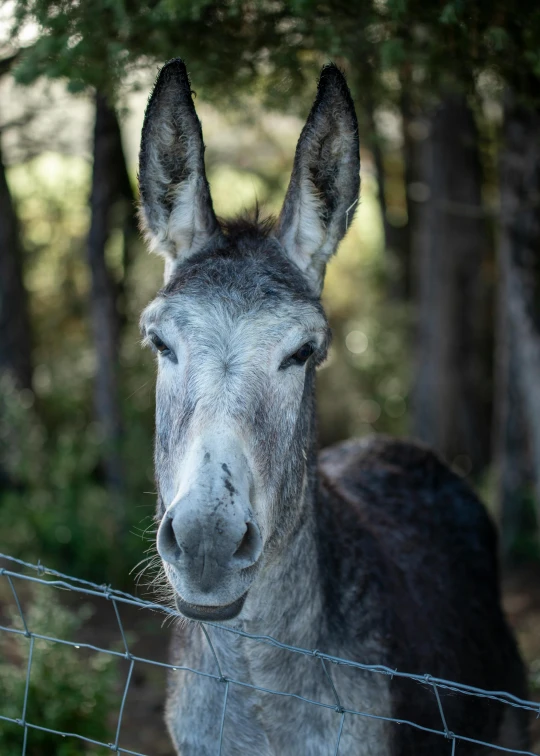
[[211, 552]]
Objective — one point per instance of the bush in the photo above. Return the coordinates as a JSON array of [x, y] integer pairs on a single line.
[[70, 690], [55, 506]]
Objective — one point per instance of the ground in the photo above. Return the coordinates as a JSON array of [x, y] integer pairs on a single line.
[[521, 600]]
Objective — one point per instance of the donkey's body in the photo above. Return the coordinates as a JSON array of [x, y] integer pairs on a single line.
[[379, 554], [390, 560]]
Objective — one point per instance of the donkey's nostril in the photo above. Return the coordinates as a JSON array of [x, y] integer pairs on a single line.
[[168, 546], [249, 548]]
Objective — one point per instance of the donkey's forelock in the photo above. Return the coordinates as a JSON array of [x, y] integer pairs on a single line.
[[244, 261]]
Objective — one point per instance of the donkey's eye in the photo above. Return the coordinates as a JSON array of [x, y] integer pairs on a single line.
[[300, 357], [159, 344]]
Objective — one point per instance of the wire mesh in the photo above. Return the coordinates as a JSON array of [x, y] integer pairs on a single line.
[[49, 577]]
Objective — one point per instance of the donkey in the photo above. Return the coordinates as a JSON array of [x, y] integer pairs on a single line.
[[374, 551]]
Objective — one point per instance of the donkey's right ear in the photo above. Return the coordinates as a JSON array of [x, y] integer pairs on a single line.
[[176, 210]]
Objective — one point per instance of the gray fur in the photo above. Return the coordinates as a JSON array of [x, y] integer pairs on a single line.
[[176, 210], [376, 553]]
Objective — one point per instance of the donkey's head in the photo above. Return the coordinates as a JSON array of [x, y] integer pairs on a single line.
[[238, 330]]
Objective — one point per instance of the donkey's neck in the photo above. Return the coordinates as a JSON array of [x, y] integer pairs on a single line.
[[286, 601]]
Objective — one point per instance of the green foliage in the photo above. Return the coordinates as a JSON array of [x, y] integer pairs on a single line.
[[50, 446], [239, 46], [97, 44], [526, 546], [534, 677], [70, 520], [449, 14], [497, 38], [69, 690], [393, 53], [242, 44]]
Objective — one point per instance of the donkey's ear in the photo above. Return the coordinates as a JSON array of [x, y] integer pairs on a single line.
[[323, 191], [176, 210]]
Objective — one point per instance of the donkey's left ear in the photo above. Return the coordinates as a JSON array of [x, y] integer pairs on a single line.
[[323, 192], [176, 208]]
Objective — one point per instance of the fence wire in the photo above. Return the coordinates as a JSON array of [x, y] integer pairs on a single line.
[[49, 577]]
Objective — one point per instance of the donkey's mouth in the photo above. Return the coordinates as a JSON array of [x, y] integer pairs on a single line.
[[210, 613]]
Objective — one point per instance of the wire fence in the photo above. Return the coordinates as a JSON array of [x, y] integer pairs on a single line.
[[43, 576]]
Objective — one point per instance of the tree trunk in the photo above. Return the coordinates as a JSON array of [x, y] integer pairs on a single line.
[[520, 257], [414, 131], [511, 439], [15, 340], [397, 241], [452, 398], [396, 237], [111, 203]]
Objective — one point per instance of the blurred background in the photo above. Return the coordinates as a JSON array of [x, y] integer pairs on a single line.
[[434, 297]]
